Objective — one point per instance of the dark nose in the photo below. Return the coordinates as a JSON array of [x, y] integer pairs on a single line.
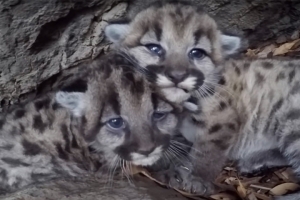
[[146, 152], [177, 76]]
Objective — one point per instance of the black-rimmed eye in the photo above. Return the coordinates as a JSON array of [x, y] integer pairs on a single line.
[[116, 123], [159, 115], [197, 54], [155, 48]]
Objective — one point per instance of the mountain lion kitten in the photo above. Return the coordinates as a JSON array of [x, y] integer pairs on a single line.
[[119, 116], [248, 110]]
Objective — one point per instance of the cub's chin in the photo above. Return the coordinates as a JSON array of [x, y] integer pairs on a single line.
[[175, 94]]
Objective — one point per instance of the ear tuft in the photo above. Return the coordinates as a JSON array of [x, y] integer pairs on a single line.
[[73, 101], [116, 32], [230, 44]]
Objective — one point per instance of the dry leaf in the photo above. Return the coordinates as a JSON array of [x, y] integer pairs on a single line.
[[284, 188], [285, 48], [266, 51], [241, 190]]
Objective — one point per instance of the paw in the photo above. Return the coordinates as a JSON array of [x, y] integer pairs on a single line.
[[182, 179]]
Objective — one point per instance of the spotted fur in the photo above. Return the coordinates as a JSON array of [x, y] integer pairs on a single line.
[[248, 109], [119, 118]]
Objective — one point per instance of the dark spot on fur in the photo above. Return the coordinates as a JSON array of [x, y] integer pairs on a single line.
[[3, 174], [292, 75], [113, 100], [267, 65], [246, 65], [1, 123], [198, 123], [19, 113], [22, 128], [280, 76], [197, 36], [154, 100], [222, 81], [234, 87], [138, 88], [241, 88], [200, 77], [91, 135], [237, 70], [157, 30], [74, 143], [128, 78], [14, 162], [223, 106], [65, 132], [43, 103], [215, 128], [61, 153], [231, 126], [106, 71], [296, 88], [293, 114], [56, 106], [31, 149], [38, 123], [259, 78], [7, 147], [220, 144]]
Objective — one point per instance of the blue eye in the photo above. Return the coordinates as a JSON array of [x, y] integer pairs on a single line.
[[197, 54], [155, 48], [159, 115], [116, 123]]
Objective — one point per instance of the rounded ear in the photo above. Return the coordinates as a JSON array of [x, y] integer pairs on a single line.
[[116, 32], [230, 44], [73, 101]]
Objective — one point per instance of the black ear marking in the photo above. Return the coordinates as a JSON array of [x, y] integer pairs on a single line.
[[78, 85]]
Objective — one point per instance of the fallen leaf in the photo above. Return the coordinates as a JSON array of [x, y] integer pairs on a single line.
[[284, 188], [266, 51], [241, 190], [285, 48]]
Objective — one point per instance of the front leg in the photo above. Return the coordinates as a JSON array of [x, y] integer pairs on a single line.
[[214, 137]]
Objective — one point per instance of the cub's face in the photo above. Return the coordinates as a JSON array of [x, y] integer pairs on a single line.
[[121, 115], [180, 44]]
